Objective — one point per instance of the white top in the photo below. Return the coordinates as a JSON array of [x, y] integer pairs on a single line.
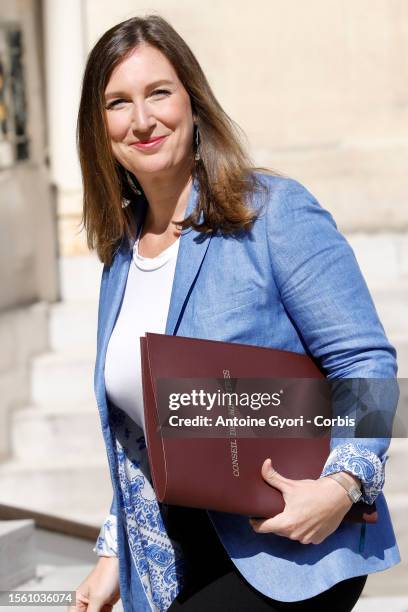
[[144, 309]]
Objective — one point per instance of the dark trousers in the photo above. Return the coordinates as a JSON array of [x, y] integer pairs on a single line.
[[213, 582]]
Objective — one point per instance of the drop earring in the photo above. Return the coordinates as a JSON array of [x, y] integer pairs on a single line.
[[197, 155]]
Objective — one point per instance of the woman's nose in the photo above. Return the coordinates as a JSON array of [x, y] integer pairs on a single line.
[[142, 118]]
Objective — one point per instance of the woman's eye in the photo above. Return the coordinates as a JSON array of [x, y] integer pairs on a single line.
[[160, 92], [115, 103], [120, 101]]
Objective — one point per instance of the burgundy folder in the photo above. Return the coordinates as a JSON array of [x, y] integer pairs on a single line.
[[223, 473]]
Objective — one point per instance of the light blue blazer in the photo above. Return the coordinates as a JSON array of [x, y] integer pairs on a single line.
[[291, 283]]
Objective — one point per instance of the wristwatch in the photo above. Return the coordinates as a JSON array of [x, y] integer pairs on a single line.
[[353, 491]]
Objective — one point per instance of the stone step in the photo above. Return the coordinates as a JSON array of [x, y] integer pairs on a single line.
[[396, 479], [38, 432], [51, 578], [383, 256], [392, 307], [73, 324], [393, 581], [381, 604], [397, 503], [61, 407], [80, 491], [17, 553], [401, 345], [80, 277], [65, 376], [62, 563]]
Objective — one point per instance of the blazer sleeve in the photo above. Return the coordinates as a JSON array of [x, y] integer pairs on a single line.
[[325, 295]]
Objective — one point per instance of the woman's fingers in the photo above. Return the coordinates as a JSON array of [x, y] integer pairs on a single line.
[[92, 606], [99, 606], [277, 524], [273, 478], [313, 510], [81, 603]]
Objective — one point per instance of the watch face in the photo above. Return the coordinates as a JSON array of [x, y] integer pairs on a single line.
[[355, 494]]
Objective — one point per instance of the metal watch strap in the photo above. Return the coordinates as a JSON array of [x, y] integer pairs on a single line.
[[353, 491]]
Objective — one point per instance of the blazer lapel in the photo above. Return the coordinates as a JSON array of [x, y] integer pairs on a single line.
[[192, 249], [109, 309]]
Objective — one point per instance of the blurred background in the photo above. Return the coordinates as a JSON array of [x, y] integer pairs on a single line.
[[320, 90]]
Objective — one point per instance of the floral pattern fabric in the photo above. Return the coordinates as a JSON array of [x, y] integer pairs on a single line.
[[352, 457], [107, 542], [158, 559]]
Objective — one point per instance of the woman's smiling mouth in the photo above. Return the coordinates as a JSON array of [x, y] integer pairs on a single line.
[[148, 144]]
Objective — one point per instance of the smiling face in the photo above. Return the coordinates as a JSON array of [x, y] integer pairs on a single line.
[[148, 114]]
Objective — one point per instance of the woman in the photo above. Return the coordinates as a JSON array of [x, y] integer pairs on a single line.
[[253, 258]]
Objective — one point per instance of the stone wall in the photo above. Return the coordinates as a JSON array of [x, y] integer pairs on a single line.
[[318, 87], [28, 247]]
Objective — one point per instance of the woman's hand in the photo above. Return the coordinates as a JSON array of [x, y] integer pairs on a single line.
[[313, 508], [100, 590]]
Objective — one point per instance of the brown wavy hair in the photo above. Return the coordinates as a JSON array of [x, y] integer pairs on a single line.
[[225, 173]]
